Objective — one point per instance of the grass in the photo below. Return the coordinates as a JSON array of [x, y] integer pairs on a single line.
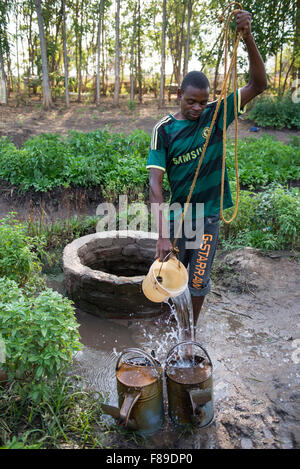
[[70, 418]]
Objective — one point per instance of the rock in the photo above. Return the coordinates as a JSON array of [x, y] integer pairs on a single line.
[[246, 443]]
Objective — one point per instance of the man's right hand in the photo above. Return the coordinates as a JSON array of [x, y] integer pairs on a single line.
[[163, 247]]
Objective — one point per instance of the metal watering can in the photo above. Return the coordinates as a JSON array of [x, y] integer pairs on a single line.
[[139, 385], [190, 387]]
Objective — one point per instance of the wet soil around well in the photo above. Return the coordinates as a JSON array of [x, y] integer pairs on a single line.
[[249, 326]]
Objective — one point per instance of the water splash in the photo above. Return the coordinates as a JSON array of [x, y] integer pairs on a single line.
[[182, 308]]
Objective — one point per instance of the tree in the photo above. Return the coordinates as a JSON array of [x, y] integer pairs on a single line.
[[47, 98], [4, 47], [64, 34], [296, 45], [117, 55], [99, 52], [163, 56], [132, 55], [188, 37], [139, 53]]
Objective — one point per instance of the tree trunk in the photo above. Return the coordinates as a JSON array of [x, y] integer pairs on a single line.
[[188, 37], [17, 51], [181, 42], [139, 55], [10, 81], [67, 95], [104, 80], [31, 49], [80, 54], [3, 91], [287, 74], [275, 70], [296, 46], [132, 57], [98, 91], [280, 72], [117, 55], [163, 56], [47, 99]]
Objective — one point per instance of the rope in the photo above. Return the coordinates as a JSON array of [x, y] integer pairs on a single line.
[[223, 93]]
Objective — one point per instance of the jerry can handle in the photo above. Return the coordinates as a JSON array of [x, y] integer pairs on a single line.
[[141, 352], [188, 342]]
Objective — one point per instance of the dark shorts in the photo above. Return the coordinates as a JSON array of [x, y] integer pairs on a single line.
[[199, 259]]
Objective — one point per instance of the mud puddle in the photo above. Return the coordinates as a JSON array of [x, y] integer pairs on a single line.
[[253, 340]]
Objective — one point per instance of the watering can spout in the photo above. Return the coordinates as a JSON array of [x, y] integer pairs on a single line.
[[116, 414]]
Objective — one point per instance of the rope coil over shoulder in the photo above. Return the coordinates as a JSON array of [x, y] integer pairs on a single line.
[[223, 94]]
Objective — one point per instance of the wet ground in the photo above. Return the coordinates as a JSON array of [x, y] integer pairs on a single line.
[[250, 327]]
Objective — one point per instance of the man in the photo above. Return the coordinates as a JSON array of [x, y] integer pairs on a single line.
[[176, 145]]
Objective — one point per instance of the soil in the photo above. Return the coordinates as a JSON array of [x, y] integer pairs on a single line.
[[24, 121], [249, 324], [250, 327]]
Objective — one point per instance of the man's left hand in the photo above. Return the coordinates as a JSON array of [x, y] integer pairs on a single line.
[[243, 22]]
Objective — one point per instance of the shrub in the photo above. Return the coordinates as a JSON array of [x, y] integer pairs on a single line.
[[264, 160], [18, 259], [40, 336], [276, 112], [115, 162], [268, 220]]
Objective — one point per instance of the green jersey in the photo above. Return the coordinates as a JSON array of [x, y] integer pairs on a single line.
[[176, 146]]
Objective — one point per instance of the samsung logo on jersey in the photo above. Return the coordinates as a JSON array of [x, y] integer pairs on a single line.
[[192, 155]]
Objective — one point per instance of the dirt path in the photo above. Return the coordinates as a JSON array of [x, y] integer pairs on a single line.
[[20, 123]]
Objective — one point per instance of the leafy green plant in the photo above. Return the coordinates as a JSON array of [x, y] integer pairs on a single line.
[[93, 159], [40, 336], [264, 160], [276, 112], [278, 212], [19, 260], [268, 220]]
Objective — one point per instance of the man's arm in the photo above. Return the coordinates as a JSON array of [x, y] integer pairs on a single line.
[[164, 245], [258, 78]]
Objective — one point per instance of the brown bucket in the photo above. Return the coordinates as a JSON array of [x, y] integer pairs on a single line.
[[190, 387]]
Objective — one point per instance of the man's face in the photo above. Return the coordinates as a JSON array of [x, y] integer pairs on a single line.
[[193, 102]]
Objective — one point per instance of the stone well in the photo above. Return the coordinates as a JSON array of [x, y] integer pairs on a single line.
[[104, 273]]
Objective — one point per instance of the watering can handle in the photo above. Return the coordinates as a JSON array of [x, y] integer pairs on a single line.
[[129, 401], [141, 352], [188, 342], [198, 399]]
